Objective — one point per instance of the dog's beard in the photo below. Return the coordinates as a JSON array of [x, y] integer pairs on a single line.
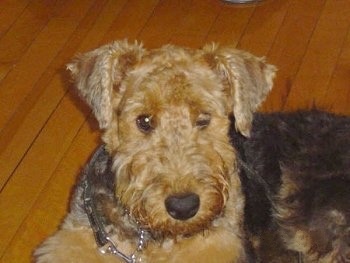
[[144, 195]]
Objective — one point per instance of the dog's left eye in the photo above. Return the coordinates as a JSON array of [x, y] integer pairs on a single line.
[[144, 123], [203, 120]]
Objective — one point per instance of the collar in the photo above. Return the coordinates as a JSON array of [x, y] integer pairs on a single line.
[[97, 167], [105, 243]]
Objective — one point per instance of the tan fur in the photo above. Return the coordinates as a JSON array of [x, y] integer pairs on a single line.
[[188, 96]]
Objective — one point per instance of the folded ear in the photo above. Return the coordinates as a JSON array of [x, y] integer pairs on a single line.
[[98, 74], [248, 80]]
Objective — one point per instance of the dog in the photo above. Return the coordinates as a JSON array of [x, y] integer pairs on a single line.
[[296, 178], [174, 194]]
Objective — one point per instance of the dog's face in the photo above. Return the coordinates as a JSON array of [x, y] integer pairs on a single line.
[[165, 116]]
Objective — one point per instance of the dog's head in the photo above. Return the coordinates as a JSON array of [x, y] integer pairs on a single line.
[[165, 116]]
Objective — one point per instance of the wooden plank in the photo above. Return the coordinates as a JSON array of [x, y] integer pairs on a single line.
[[31, 176], [263, 27], [9, 12], [230, 24], [337, 96], [19, 81], [315, 72], [163, 22], [51, 207], [194, 26], [18, 38], [131, 20], [66, 118], [17, 136], [290, 45], [42, 101], [191, 41]]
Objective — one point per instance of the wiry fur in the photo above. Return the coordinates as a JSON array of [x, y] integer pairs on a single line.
[[304, 158], [187, 96]]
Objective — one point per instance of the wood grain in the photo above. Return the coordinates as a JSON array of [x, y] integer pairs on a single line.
[[47, 133]]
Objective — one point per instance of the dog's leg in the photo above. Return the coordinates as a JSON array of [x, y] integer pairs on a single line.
[[77, 245], [220, 246]]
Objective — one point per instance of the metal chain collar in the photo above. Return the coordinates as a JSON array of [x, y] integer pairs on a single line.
[[103, 240], [111, 248]]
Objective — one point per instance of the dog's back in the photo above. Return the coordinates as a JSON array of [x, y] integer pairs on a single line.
[[304, 158]]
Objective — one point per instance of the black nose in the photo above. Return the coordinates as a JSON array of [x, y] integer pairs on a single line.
[[182, 206]]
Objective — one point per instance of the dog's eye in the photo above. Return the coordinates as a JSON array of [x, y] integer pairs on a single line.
[[203, 120], [144, 123]]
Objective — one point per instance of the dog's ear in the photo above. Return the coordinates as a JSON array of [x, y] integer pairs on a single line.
[[98, 74], [248, 80]]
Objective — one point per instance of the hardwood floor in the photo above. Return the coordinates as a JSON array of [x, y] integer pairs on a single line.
[[47, 133]]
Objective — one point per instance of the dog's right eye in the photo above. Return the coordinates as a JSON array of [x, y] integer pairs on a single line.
[[144, 123], [203, 120]]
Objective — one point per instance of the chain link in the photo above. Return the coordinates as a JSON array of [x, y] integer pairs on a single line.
[[111, 248]]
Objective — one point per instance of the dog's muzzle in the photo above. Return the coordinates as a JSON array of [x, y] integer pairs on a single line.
[[182, 206]]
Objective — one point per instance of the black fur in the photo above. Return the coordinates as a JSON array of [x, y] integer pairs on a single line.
[[312, 148]]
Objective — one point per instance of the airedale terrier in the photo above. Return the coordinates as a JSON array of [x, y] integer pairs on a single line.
[[296, 178], [175, 193]]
